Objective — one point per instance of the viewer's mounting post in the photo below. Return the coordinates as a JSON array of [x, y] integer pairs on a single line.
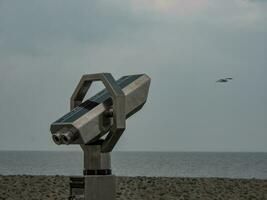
[[96, 125]]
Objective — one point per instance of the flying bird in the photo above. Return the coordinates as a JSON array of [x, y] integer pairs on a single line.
[[224, 80]]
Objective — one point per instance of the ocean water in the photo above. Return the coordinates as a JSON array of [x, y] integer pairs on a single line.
[[182, 164]]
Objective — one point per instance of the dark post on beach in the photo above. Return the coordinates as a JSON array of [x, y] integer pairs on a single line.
[[96, 125]]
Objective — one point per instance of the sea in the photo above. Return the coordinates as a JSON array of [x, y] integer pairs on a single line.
[[155, 164]]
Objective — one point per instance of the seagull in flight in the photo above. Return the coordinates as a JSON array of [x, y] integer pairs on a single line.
[[224, 80]]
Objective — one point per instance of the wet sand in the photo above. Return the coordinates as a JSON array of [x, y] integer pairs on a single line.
[[138, 188]]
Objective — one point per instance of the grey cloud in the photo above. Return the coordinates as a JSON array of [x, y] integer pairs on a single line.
[[257, 1], [30, 24], [45, 46]]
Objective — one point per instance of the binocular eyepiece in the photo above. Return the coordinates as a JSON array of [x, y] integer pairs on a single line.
[[64, 137]]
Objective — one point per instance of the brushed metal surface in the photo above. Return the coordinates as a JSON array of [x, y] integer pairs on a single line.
[[94, 124]]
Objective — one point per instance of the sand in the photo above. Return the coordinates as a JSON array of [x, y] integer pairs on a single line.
[[138, 188]]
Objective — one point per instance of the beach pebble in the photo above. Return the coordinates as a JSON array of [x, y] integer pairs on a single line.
[[138, 188]]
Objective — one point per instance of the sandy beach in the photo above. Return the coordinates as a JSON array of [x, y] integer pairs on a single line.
[[137, 188]]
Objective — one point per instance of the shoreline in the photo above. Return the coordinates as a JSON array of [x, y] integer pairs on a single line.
[[15, 187]]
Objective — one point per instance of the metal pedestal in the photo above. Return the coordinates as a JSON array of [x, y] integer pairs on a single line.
[[76, 188], [100, 187], [97, 183], [94, 187]]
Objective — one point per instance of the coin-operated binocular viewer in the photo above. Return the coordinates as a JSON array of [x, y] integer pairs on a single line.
[[96, 125]]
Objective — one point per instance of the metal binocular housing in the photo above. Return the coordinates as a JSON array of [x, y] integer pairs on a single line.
[[102, 118], [96, 125]]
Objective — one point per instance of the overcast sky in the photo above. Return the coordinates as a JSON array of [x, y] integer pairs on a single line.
[[183, 45]]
